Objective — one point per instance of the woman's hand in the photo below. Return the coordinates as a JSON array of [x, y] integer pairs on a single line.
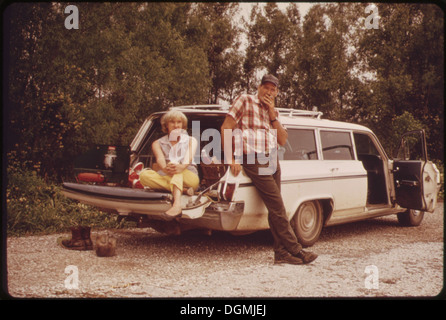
[[173, 168]]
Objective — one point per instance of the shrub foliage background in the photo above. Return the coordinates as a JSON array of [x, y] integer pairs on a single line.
[[38, 207]]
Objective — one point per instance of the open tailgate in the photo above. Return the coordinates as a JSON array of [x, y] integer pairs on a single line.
[[119, 199], [125, 201]]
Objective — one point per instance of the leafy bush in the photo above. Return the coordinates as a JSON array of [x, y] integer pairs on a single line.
[[36, 207]]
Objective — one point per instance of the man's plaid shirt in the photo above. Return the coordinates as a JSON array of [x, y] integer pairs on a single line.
[[253, 120]]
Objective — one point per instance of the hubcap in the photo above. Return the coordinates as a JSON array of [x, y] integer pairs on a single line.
[[416, 213], [307, 220]]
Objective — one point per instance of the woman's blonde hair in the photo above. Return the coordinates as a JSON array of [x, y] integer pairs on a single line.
[[171, 116]]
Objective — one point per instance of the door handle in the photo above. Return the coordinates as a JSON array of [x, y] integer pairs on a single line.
[[408, 183]]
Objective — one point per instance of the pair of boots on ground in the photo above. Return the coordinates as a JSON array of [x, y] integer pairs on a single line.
[[80, 239]]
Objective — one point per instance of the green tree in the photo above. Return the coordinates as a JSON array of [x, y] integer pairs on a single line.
[[212, 28], [145, 65], [69, 89], [406, 56], [273, 37], [327, 60], [45, 93]]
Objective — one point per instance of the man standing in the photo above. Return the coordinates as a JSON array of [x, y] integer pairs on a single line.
[[256, 117]]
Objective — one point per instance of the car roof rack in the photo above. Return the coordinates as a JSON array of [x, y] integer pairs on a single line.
[[299, 113], [215, 107], [282, 111]]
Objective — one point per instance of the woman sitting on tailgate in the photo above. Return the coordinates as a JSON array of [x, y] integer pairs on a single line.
[[174, 158]]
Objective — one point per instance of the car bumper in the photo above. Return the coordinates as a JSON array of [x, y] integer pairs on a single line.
[[223, 216]]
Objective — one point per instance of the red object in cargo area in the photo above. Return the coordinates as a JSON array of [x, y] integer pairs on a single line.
[[90, 177]]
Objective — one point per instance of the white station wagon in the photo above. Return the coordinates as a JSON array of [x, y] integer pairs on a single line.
[[332, 173]]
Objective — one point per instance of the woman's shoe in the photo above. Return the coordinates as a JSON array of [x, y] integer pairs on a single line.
[[137, 184], [137, 168], [134, 173]]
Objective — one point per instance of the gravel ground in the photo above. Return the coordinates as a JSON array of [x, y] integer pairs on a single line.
[[374, 258]]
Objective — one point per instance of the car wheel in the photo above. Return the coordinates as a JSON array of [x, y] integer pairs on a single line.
[[307, 223], [410, 217]]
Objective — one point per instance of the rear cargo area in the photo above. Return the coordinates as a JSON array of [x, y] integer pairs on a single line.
[[101, 176]]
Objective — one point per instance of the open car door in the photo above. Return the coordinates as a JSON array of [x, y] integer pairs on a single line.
[[416, 179]]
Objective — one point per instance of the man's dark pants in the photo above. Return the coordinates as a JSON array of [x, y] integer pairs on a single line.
[[268, 187]]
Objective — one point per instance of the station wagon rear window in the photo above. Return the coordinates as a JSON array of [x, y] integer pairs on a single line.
[[336, 145], [365, 145], [203, 123]]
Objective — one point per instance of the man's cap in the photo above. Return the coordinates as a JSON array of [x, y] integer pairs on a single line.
[[270, 78]]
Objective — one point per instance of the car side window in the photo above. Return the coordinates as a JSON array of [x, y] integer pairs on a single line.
[[301, 145], [336, 145]]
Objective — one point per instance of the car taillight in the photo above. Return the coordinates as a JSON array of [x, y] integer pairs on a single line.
[[227, 190], [228, 186]]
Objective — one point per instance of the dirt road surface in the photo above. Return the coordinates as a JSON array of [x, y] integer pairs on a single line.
[[374, 258]]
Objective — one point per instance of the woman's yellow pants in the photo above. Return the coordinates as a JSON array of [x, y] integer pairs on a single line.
[[152, 179]]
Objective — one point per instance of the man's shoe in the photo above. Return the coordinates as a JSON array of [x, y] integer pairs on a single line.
[[306, 257], [287, 258]]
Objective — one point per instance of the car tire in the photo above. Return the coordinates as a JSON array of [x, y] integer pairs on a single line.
[[307, 223], [410, 218]]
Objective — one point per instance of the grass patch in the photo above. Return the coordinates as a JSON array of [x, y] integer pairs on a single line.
[[36, 207]]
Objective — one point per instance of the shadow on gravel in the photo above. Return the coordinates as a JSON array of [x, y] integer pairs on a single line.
[[382, 227], [194, 239], [256, 239], [377, 227], [260, 239]]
